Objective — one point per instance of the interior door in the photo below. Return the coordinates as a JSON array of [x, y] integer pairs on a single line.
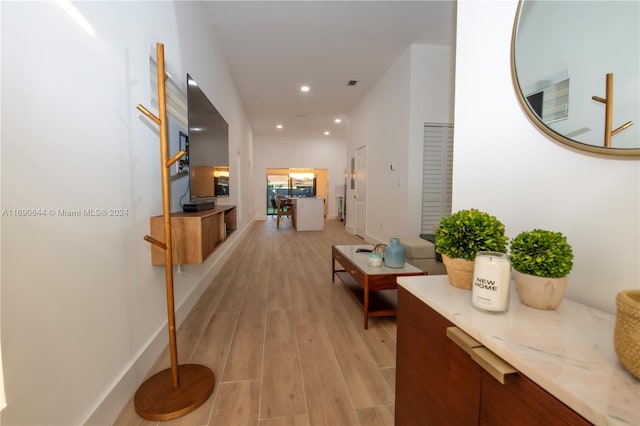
[[361, 191]]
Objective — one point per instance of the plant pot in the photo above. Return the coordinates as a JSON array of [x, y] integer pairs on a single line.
[[540, 292], [626, 337], [460, 271]]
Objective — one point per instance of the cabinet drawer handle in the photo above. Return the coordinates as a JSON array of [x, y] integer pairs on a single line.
[[489, 361], [492, 363], [462, 339]]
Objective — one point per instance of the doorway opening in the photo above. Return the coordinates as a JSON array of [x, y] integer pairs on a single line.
[[295, 183]]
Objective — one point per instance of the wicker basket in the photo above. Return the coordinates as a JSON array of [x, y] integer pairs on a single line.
[[626, 338]]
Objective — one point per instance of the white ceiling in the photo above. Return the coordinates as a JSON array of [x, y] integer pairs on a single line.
[[274, 47]]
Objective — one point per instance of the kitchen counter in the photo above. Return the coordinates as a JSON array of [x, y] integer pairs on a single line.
[[309, 213], [568, 352]]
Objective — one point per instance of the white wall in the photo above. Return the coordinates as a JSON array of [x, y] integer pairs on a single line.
[[83, 311], [503, 165], [389, 120], [431, 100], [306, 153]]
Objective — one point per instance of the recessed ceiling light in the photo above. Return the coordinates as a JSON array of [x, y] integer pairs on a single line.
[[327, 133], [338, 120], [279, 126], [305, 88]]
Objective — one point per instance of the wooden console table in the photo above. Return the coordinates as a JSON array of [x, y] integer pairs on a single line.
[[564, 370], [366, 283], [195, 235]]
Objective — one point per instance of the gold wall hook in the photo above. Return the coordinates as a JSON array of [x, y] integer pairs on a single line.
[[608, 112]]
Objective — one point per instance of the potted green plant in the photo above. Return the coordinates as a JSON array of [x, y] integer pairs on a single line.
[[542, 261], [461, 235]]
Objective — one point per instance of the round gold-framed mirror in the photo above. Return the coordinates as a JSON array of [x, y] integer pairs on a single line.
[[575, 67]]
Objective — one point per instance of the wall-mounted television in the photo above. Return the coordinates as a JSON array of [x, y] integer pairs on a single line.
[[208, 149]]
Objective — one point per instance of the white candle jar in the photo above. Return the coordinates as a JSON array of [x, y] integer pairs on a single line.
[[491, 281]]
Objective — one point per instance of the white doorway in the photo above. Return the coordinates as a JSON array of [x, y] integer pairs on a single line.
[[361, 191]]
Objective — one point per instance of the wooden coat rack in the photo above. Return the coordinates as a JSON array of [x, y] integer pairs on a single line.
[[180, 389], [608, 115]]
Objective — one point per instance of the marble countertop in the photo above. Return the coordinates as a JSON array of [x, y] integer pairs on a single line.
[[569, 351]]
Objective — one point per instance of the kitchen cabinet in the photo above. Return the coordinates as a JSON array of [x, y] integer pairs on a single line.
[[309, 213]]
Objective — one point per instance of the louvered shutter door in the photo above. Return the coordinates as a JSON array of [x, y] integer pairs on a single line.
[[437, 176]]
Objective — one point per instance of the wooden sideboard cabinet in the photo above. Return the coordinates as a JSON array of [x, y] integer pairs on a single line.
[[194, 235], [438, 383], [519, 401]]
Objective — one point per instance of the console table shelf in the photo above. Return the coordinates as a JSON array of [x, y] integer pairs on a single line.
[[195, 235], [382, 303]]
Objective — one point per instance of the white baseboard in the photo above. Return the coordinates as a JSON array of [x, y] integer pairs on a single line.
[[124, 387]]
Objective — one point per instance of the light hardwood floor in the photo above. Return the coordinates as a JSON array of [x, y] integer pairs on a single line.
[[287, 346]]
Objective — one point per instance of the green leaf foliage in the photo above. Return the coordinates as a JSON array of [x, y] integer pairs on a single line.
[[542, 253], [467, 232]]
